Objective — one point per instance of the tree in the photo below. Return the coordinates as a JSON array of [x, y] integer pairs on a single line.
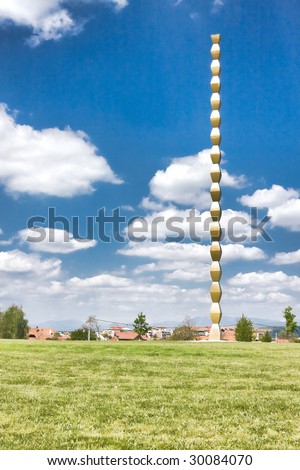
[[282, 334], [266, 337], [290, 323], [140, 326], [244, 329], [13, 324], [82, 334], [92, 325], [184, 332]]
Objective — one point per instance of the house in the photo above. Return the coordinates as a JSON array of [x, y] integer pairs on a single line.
[[228, 333], [41, 333], [129, 336], [159, 332], [259, 332], [201, 332]]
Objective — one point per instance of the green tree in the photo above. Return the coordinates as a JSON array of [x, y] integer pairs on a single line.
[[290, 323], [81, 334], [140, 326], [266, 337], [244, 329], [13, 324], [282, 334]]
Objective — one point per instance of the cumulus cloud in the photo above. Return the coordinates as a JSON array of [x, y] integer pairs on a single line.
[[122, 289], [48, 19], [275, 281], [283, 205], [191, 252], [53, 240], [187, 181], [4, 242], [149, 204], [51, 161], [102, 280], [286, 215], [18, 262], [173, 224], [177, 270], [269, 198], [263, 287], [292, 257]]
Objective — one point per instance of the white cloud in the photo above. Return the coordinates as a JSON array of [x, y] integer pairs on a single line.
[[102, 280], [191, 252], [271, 281], [119, 4], [236, 252], [18, 262], [178, 270], [283, 205], [148, 204], [286, 215], [51, 161], [48, 19], [197, 274], [6, 242], [173, 222], [217, 5], [246, 296], [187, 181], [263, 287], [127, 208], [53, 240], [292, 257], [269, 198]]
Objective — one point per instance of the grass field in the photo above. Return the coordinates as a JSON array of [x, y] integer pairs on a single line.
[[66, 395]]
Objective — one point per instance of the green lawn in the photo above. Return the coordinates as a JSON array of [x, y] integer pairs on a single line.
[[66, 395]]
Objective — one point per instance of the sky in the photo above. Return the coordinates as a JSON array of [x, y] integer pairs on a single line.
[[105, 115]]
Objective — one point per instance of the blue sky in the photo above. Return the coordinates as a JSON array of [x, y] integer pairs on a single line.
[[106, 104]]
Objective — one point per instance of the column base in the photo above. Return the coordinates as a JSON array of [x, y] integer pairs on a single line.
[[215, 332]]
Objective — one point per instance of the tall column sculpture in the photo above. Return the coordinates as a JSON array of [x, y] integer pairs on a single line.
[[215, 191]]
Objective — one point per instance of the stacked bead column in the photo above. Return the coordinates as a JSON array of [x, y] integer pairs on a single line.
[[215, 191]]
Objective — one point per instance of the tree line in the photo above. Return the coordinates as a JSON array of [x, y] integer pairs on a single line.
[[13, 324], [244, 330]]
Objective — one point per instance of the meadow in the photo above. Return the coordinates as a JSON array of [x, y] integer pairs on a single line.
[[154, 395]]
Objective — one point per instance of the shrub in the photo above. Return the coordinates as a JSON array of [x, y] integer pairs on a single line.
[[266, 337]]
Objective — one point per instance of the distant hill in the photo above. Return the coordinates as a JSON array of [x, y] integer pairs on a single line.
[[226, 321]]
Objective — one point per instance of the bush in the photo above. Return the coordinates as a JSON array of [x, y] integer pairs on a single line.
[[183, 333], [266, 337], [282, 334], [82, 335]]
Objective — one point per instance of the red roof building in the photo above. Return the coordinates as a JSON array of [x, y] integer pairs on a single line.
[[41, 333], [129, 336]]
